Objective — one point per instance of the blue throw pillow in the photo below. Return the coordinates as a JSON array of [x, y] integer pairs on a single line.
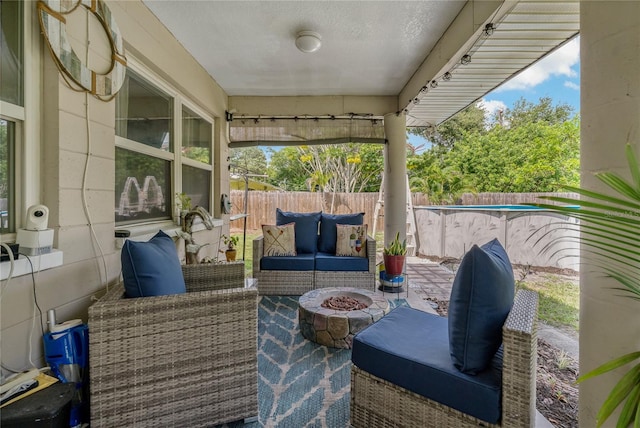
[[481, 298], [328, 233], [306, 228], [152, 268]]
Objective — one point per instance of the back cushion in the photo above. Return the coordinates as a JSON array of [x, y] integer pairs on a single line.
[[328, 233], [481, 298], [306, 228], [152, 268]]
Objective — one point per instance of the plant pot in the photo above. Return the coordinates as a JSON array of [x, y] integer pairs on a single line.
[[394, 265], [230, 255]]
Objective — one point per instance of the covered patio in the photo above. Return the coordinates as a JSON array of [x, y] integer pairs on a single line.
[[229, 74]]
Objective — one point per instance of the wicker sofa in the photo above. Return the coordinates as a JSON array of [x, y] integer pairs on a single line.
[[381, 403], [315, 265], [176, 360]]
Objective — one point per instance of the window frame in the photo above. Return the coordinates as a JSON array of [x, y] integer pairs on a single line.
[[175, 155], [27, 119]]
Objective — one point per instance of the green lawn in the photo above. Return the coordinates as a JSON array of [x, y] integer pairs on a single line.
[[559, 300]]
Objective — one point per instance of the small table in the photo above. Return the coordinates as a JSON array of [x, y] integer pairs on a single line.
[[335, 328]]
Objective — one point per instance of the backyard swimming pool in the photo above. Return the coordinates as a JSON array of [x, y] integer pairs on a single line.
[[524, 230]]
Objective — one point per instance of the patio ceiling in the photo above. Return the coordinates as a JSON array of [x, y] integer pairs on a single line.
[[378, 49]]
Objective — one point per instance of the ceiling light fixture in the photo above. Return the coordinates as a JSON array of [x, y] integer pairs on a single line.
[[308, 41]]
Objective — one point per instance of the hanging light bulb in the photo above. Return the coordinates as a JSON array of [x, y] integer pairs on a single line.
[[466, 59], [446, 76], [434, 84], [489, 29]]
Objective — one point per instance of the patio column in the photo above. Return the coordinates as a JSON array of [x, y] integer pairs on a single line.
[[395, 170], [609, 108]]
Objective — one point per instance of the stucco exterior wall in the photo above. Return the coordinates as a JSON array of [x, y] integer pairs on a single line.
[[610, 117], [525, 234], [71, 129]]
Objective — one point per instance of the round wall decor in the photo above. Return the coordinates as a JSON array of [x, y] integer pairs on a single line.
[[51, 14]]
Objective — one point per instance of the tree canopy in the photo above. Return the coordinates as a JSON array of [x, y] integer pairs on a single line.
[[532, 147]]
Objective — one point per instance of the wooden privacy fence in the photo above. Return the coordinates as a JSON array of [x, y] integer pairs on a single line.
[[262, 205]]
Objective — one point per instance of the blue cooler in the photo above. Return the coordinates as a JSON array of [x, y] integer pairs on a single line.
[[66, 349]]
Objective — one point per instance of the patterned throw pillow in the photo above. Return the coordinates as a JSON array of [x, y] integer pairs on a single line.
[[279, 240], [352, 240]]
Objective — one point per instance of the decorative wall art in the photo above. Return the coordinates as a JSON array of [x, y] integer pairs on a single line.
[[52, 16]]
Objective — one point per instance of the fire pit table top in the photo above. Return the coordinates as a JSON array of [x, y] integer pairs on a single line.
[[333, 327]]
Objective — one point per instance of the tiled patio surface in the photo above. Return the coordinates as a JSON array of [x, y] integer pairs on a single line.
[[429, 279]]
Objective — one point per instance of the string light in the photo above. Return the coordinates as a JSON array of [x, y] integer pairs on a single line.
[[434, 84], [416, 101], [466, 59], [446, 76], [489, 29]]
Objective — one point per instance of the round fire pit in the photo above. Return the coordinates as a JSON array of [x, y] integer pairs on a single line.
[[330, 316]]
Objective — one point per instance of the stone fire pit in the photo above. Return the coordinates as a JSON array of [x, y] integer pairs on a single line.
[[336, 328]]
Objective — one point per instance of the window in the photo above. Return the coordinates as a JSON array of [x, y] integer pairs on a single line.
[[196, 152], [11, 103], [163, 147]]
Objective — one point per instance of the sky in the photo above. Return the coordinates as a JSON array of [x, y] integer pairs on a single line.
[[556, 76]]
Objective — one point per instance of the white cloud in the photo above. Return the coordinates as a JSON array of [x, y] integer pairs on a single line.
[[491, 107], [571, 85], [558, 63]]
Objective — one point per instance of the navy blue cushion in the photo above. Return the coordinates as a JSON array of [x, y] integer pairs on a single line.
[[299, 262], [410, 348], [151, 268], [331, 262], [481, 298], [328, 233], [306, 228]]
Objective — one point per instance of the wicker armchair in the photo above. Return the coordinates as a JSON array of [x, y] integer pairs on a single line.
[[178, 360], [377, 402]]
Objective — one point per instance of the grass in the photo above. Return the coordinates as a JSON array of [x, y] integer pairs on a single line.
[[559, 300]]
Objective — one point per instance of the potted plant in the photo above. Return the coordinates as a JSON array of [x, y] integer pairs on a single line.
[[610, 228], [230, 242], [394, 255]]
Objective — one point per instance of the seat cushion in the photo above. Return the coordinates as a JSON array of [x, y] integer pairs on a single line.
[[352, 240], [279, 240], [298, 262], [481, 298], [306, 228], [410, 348], [332, 263], [151, 268], [328, 233]]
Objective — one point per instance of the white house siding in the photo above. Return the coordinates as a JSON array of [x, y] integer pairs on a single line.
[[70, 288]]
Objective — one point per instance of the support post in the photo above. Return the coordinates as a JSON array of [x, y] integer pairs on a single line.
[[395, 170]]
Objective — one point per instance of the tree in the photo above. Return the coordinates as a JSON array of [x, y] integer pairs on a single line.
[[285, 169], [248, 159], [469, 121], [534, 148]]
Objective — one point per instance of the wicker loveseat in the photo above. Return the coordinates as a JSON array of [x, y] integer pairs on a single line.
[[176, 360], [316, 264], [475, 367]]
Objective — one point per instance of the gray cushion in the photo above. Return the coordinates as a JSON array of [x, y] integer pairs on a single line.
[[151, 268], [481, 298]]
